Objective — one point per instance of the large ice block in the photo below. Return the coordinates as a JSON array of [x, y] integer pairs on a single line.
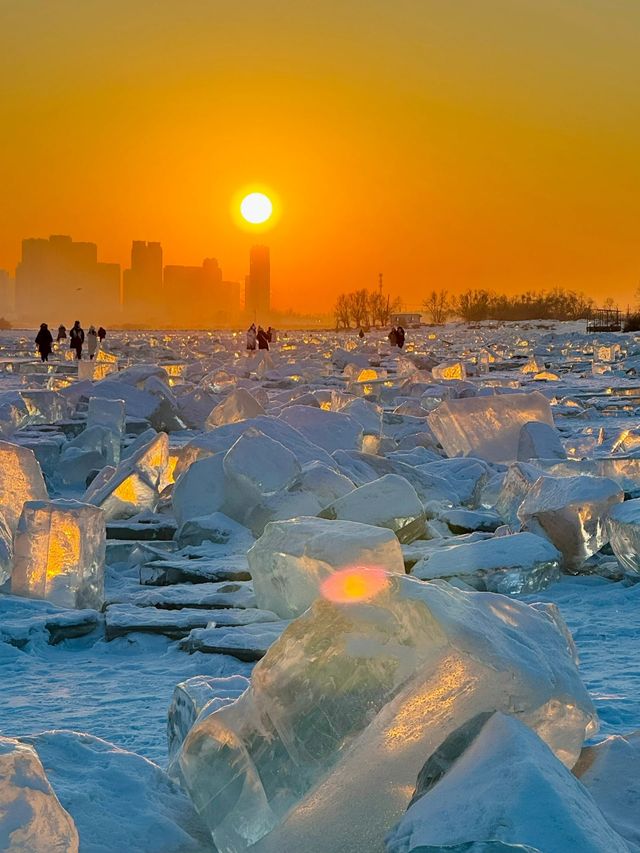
[[292, 558], [507, 564], [238, 406], [200, 490], [390, 501], [488, 427], [20, 480], [32, 819], [321, 753], [59, 553], [493, 783], [329, 430], [540, 441], [624, 535], [135, 484], [516, 484], [107, 413], [572, 513]]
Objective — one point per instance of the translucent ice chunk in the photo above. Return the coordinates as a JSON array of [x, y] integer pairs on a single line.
[[20, 480], [292, 558], [488, 427], [488, 784], [449, 370], [539, 441], [329, 430], [516, 484], [238, 406], [572, 513], [31, 817], [107, 413], [322, 752], [59, 553], [390, 501], [624, 535]]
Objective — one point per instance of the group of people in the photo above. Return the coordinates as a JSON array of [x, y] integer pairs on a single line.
[[396, 336], [259, 338], [44, 339]]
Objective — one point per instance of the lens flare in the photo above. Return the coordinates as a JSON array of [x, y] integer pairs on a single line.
[[354, 584]]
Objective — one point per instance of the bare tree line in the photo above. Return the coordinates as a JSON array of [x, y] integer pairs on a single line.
[[364, 308]]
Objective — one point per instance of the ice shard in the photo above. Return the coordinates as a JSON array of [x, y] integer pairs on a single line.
[[487, 427], [572, 513], [239, 405], [59, 553], [624, 535], [321, 753]]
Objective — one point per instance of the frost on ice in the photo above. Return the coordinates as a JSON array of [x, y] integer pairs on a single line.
[[59, 553], [323, 750]]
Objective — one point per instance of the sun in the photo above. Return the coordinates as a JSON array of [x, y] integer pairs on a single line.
[[256, 208]]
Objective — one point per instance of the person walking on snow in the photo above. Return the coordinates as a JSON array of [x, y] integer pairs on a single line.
[[251, 337], [92, 341], [76, 338], [263, 339], [44, 342], [102, 333]]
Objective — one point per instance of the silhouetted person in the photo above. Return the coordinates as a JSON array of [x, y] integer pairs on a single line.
[[263, 340], [251, 337], [361, 333], [102, 333], [269, 334], [393, 337], [76, 338], [400, 336], [92, 341], [44, 342], [62, 333]]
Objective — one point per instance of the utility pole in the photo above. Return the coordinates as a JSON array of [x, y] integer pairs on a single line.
[[380, 283]]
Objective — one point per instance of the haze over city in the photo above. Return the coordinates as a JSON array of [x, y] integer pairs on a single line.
[[449, 145]]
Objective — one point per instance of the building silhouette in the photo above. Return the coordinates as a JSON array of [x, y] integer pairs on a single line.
[[143, 296], [58, 277], [7, 294], [257, 296], [198, 298]]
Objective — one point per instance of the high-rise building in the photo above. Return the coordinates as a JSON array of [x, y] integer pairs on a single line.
[[142, 285], [7, 294], [257, 297], [197, 296], [57, 278]]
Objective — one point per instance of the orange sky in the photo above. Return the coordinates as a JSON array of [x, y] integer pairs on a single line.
[[451, 143]]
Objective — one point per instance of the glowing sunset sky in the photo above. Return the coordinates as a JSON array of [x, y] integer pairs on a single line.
[[455, 143]]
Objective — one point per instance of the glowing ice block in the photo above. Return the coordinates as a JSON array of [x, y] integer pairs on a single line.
[[59, 553], [20, 480], [487, 427], [238, 406], [322, 752]]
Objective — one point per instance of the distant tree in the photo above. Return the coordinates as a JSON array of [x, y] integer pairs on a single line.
[[342, 311], [359, 307], [4, 323], [438, 307]]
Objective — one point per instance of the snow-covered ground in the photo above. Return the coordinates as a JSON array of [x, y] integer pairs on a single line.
[[317, 399]]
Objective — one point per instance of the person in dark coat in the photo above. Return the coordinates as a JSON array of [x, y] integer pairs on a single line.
[[263, 340], [393, 337], [76, 338], [400, 336], [361, 333], [44, 342], [62, 333], [102, 333]]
